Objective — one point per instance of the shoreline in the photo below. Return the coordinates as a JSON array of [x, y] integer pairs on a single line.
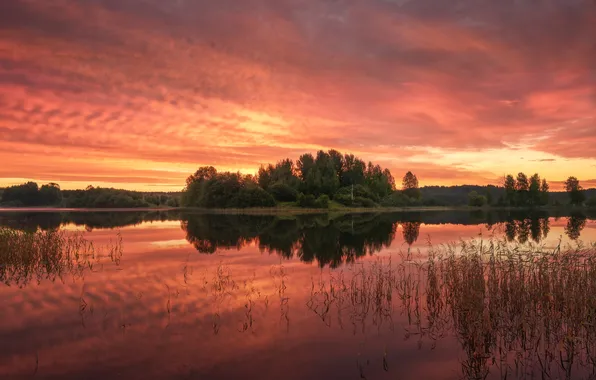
[[59, 209], [290, 210]]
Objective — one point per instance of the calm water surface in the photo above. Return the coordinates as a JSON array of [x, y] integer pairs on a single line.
[[262, 297]]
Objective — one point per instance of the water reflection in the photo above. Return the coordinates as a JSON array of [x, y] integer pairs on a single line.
[[162, 310], [336, 239], [524, 230], [330, 240], [49, 220], [575, 224], [514, 314]]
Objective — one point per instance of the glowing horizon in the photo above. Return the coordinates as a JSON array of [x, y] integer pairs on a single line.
[[137, 95]]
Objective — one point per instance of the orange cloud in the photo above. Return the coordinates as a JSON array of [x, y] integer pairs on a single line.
[[138, 94]]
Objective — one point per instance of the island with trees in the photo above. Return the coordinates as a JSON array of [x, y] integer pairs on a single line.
[[326, 180]]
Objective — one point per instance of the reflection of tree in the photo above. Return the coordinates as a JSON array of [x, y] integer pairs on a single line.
[[575, 224], [510, 230], [534, 228], [545, 227], [208, 233], [523, 230], [34, 221], [330, 241], [411, 231]]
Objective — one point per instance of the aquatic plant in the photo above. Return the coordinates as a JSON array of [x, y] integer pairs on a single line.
[[50, 255]]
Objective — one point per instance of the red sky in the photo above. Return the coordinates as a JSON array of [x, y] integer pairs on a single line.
[[139, 93]]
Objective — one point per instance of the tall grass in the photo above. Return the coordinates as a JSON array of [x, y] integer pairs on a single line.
[[516, 310], [50, 255]]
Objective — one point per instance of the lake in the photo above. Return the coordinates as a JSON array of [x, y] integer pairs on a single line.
[[418, 295]]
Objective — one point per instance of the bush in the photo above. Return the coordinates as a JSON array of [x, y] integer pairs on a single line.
[[322, 201], [432, 202], [397, 199], [173, 202], [363, 197], [283, 192], [306, 201], [357, 202], [591, 203], [345, 200], [364, 202], [345, 193], [476, 200], [252, 196]]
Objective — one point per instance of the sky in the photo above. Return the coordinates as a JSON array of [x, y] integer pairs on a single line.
[[138, 94]]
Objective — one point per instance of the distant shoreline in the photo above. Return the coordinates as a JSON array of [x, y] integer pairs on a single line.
[[289, 210], [59, 209]]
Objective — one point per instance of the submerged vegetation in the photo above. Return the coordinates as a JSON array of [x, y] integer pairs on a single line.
[[514, 309], [51, 255]]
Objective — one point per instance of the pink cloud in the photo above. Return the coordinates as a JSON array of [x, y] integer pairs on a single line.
[[173, 82]]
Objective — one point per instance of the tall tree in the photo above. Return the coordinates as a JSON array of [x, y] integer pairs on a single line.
[[308, 173], [410, 186], [329, 180], [50, 194], [544, 192], [534, 190], [575, 191], [509, 185], [379, 181], [522, 187], [338, 163], [264, 176], [204, 173], [354, 169]]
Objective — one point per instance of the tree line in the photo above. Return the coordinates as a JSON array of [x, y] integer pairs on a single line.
[[324, 180], [524, 191], [30, 194], [531, 192]]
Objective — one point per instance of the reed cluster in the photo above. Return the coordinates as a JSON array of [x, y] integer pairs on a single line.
[[51, 255]]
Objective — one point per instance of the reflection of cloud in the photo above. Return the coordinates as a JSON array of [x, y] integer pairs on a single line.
[[236, 84], [170, 243]]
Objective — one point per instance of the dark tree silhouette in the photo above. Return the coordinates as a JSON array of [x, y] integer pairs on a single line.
[[575, 191], [410, 186], [510, 190]]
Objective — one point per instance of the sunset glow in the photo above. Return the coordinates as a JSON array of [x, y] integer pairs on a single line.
[[138, 94]]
